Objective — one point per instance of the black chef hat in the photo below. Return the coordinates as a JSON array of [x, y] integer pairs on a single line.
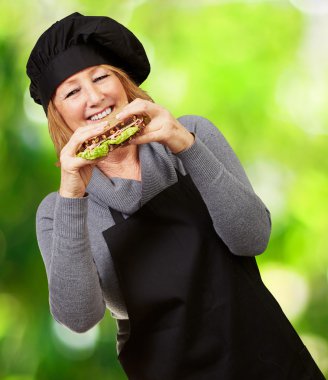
[[77, 42]]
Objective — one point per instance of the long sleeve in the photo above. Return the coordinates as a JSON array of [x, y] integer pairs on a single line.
[[75, 295], [239, 216]]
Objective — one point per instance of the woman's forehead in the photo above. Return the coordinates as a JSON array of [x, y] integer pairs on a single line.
[[82, 73], [80, 76]]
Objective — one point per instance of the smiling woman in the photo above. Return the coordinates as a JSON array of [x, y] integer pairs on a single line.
[[58, 128], [81, 98], [162, 231]]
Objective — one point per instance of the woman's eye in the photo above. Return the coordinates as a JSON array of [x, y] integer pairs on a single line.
[[101, 77], [73, 92]]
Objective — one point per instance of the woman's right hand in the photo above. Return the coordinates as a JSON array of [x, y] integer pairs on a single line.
[[76, 171]]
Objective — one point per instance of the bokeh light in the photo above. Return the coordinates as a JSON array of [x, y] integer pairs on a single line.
[[318, 348], [304, 99], [10, 314], [289, 288], [75, 345], [271, 181], [311, 6], [32, 110]]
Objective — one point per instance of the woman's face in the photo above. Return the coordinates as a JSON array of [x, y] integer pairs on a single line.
[[88, 96]]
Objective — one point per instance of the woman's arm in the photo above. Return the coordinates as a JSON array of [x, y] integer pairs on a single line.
[[239, 216], [75, 294]]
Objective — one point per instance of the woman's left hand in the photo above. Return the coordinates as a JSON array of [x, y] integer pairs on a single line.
[[163, 127]]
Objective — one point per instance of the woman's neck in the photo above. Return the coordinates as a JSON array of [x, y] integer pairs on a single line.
[[122, 162]]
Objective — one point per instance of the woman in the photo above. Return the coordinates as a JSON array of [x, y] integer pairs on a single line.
[[162, 231]]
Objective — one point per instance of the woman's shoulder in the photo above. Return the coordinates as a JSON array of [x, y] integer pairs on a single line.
[[195, 123], [201, 126], [192, 121]]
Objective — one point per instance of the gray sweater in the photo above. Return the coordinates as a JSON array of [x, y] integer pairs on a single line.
[[81, 277]]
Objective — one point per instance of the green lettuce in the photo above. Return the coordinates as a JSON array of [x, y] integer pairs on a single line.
[[103, 149]]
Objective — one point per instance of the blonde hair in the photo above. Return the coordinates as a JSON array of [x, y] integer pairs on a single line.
[[60, 132]]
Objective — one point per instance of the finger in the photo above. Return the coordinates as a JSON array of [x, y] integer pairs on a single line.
[[75, 163], [138, 107], [146, 138], [84, 133], [152, 126], [81, 162], [91, 130]]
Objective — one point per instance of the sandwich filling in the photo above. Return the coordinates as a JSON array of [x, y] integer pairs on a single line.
[[115, 136]]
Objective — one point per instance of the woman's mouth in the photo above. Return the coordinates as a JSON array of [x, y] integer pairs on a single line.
[[101, 115]]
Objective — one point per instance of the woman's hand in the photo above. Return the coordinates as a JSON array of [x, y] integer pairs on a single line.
[[163, 127], [76, 171]]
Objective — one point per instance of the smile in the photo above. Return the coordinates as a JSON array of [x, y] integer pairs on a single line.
[[101, 115]]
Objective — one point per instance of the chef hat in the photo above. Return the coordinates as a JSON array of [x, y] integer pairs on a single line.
[[77, 42]]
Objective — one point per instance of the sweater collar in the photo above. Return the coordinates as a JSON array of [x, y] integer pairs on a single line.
[[128, 195]]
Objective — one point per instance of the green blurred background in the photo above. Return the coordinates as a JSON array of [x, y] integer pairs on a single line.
[[258, 70]]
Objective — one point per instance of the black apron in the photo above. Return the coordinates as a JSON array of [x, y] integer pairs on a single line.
[[197, 311]]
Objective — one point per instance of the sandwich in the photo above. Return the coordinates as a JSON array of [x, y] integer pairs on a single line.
[[116, 134]]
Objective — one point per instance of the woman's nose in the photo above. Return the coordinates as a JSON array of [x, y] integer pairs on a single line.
[[94, 95]]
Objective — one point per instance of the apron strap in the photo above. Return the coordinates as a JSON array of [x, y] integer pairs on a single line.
[[117, 216]]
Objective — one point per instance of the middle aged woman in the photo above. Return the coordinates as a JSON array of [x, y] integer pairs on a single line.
[[162, 231]]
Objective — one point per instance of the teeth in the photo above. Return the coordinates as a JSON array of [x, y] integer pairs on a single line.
[[101, 115]]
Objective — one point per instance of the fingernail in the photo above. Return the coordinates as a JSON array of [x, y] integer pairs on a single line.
[[118, 116]]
